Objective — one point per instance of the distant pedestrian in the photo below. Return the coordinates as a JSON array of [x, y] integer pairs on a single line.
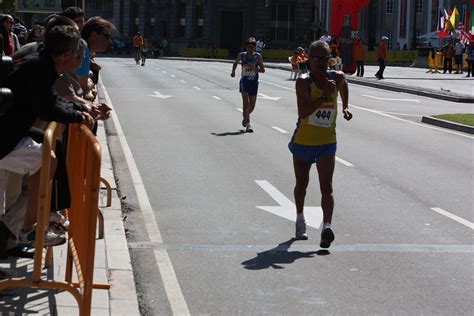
[[382, 53], [260, 46], [360, 55], [252, 64], [470, 59], [458, 54], [448, 53]]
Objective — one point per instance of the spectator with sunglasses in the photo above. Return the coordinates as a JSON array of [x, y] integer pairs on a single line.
[[252, 64], [314, 139], [97, 32]]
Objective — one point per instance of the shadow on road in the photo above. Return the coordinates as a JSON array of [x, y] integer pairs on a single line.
[[279, 255], [240, 132]]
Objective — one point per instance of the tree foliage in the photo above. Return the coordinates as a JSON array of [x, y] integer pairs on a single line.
[[7, 6]]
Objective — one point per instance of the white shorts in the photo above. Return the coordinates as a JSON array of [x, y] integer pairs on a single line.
[[24, 159]]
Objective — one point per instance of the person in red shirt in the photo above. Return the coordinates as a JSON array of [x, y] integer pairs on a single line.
[[381, 57], [6, 28]]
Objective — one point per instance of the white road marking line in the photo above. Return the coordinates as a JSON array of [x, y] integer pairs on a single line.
[[173, 76], [183, 81], [197, 88], [453, 217], [240, 110], [390, 99], [407, 121], [277, 85], [404, 114], [170, 281], [280, 130], [346, 163], [216, 97], [164, 72]]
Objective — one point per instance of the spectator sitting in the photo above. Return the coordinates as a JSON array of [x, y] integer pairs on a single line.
[[300, 57]]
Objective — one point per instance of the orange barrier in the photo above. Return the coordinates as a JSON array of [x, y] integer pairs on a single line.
[[84, 158], [83, 164]]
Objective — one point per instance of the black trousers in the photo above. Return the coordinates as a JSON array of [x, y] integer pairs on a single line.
[[360, 68], [448, 64], [379, 73]]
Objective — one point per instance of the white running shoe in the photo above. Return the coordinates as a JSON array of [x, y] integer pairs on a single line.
[[249, 128], [301, 230], [58, 223]]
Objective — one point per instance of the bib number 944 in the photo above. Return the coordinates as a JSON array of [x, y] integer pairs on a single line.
[[323, 116]]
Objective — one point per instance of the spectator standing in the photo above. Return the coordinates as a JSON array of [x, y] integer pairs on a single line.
[[35, 33], [8, 38], [382, 53], [448, 53], [31, 85], [260, 46], [97, 32], [470, 59], [458, 54], [360, 55]]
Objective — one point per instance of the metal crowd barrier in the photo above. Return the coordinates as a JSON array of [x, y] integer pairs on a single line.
[[83, 164]]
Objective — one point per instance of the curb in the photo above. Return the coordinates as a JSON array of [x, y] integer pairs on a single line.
[[424, 93], [447, 124]]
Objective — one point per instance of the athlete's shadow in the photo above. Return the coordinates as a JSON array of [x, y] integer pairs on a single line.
[[240, 132], [279, 255]]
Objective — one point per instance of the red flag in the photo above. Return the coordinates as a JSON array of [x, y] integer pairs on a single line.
[[442, 33]]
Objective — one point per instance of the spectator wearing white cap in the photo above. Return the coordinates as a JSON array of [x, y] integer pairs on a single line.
[[381, 57]]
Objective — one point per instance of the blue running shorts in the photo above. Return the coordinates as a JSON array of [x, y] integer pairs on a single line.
[[249, 86], [310, 154]]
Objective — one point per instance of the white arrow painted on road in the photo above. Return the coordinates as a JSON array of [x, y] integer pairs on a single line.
[[286, 208], [264, 96], [158, 94]]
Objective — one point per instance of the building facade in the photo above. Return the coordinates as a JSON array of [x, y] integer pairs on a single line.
[[280, 23]]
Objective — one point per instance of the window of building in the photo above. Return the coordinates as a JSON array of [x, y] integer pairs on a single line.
[[199, 19], [181, 18], [389, 6], [419, 6], [283, 21], [99, 5], [419, 41], [390, 39]]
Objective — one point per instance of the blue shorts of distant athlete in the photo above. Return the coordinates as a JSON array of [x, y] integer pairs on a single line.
[[310, 154], [249, 86]]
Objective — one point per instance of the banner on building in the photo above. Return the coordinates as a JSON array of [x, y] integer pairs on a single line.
[[38, 6]]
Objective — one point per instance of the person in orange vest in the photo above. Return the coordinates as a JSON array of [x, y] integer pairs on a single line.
[[360, 55], [138, 42], [381, 57]]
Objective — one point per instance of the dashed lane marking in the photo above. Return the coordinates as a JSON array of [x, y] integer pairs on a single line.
[[197, 88], [390, 99], [216, 97], [279, 129], [344, 162], [453, 217], [183, 81]]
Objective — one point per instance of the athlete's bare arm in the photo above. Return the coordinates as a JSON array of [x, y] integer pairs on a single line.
[[343, 88], [303, 101], [261, 68], [236, 62]]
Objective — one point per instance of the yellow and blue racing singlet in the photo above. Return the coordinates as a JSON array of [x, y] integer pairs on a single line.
[[318, 128]]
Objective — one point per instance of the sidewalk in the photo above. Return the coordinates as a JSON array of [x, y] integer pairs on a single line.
[[112, 262]]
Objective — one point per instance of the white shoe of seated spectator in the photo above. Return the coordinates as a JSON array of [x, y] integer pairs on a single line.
[[58, 223]]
